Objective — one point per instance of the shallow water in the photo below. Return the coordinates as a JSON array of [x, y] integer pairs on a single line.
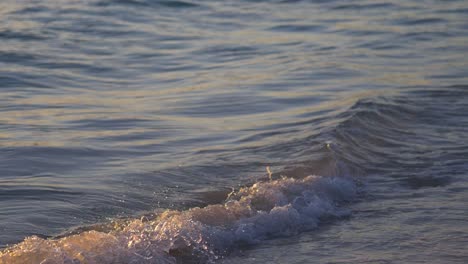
[[114, 109]]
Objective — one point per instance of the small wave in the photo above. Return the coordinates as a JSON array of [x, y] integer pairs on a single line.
[[355, 7], [298, 28], [23, 36], [422, 21], [268, 209], [169, 4]]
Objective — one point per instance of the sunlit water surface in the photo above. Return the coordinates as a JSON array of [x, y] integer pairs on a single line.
[[121, 120]]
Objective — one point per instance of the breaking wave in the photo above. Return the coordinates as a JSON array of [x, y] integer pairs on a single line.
[[267, 209]]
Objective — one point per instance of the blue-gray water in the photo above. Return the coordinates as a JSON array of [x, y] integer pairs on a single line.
[[114, 109]]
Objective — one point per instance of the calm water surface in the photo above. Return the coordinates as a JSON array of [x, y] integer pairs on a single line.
[[114, 109]]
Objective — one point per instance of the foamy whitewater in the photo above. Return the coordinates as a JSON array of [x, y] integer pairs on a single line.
[[275, 208]]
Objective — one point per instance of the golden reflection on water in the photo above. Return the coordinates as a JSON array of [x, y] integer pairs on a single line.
[[44, 116], [54, 112]]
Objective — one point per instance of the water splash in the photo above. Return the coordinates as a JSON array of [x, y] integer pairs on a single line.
[[279, 207]]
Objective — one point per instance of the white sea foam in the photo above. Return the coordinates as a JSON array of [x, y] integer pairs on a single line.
[[275, 208]]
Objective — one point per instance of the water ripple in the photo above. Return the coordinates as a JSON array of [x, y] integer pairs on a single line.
[[112, 108]]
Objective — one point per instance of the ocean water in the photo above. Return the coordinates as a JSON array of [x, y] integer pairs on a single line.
[[202, 131]]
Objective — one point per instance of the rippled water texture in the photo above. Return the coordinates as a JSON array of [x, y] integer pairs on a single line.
[[111, 110]]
